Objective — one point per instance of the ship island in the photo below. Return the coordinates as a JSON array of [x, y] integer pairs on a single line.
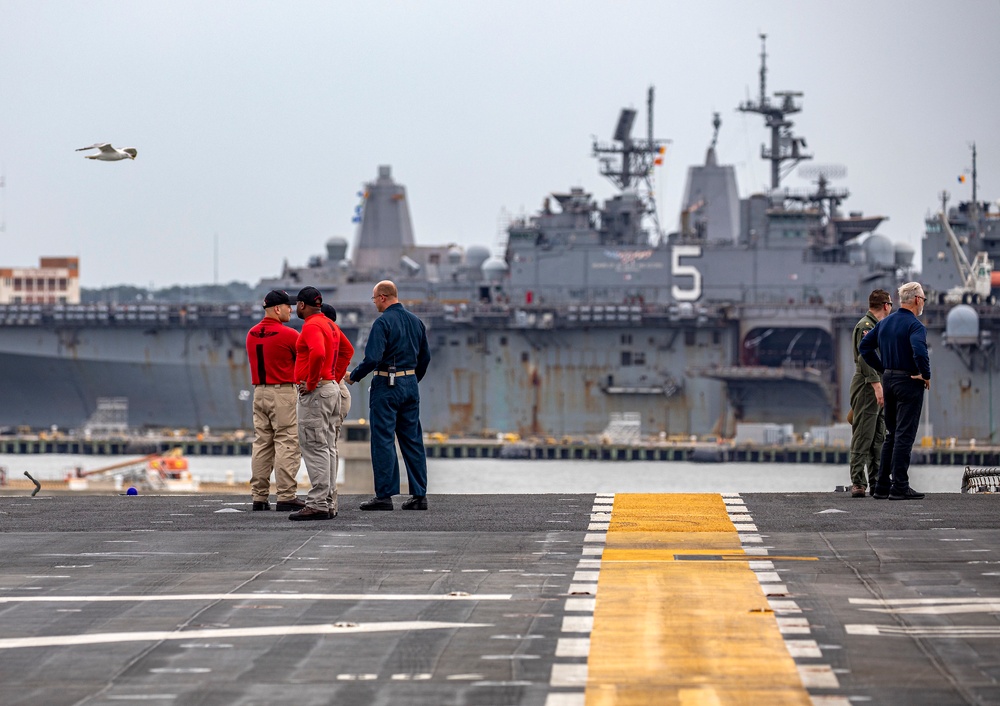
[[584, 316]]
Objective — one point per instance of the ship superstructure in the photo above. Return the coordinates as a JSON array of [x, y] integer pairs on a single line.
[[743, 313]]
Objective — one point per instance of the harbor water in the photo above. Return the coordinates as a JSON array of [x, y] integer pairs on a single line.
[[505, 476]]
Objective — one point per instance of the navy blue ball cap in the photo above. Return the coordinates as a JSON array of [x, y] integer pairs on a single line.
[[329, 312], [275, 297], [310, 296]]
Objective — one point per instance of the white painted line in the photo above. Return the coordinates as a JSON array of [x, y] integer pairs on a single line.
[[767, 576], [745, 527], [732, 499], [947, 609], [917, 601], [573, 647], [793, 626], [589, 564], [949, 631], [830, 700], [588, 588], [595, 538], [783, 606], [264, 631], [755, 551], [593, 551], [729, 495], [580, 605], [817, 676], [597, 527], [510, 657], [180, 670], [464, 677], [739, 517], [600, 516], [260, 596], [141, 697], [750, 538], [584, 576], [774, 589], [578, 623], [803, 649], [761, 565], [568, 675], [566, 699]]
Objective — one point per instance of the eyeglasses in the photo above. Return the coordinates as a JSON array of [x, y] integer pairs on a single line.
[[377, 296], [920, 297]]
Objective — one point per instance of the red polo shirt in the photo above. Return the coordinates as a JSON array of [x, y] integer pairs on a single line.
[[315, 352], [271, 352]]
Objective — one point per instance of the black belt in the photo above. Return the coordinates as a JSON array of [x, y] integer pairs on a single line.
[[901, 372], [385, 374]]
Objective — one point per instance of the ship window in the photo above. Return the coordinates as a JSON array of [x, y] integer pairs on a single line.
[[524, 356], [626, 339], [62, 284], [716, 338], [503, 340], [638, 358], [52, 283], [626, 358], [29, 284], [455, 342], [690, 337], [17, 283]]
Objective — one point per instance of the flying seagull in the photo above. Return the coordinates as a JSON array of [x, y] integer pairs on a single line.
[[108, 153]]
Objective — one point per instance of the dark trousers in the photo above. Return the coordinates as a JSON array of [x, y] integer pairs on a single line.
[[395, 414], [904, 399]]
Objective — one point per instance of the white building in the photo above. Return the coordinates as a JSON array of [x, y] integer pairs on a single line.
[[56, 280]]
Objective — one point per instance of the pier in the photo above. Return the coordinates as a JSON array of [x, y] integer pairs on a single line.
[[356, 435]]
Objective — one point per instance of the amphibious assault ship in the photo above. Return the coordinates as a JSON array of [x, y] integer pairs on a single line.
[[586, 310]]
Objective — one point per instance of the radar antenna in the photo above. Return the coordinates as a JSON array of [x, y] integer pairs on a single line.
[[785, 146]]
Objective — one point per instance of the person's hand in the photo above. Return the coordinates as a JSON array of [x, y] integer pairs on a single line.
[[879, 394], [347, 379], [927, 383]]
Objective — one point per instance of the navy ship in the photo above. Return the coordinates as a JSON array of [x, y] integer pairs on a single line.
[[584, 312]]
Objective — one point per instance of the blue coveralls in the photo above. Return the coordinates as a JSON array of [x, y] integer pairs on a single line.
[[397, 338]]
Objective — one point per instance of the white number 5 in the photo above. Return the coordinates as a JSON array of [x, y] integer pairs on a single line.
[[679, 270]]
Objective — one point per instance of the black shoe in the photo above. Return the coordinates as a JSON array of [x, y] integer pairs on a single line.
[[377, 504], [908, 494], [293, 504], [331, 513], [261, 505], [880, 494], [416, 502], [309, 513]]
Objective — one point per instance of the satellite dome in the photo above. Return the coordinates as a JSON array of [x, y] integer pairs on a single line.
[[336, 249], [879, 251], [962, 325], [494, 269], [476, 255], [904, 255], [454, 255]]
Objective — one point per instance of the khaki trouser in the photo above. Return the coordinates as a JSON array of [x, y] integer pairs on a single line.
[[345, 407], [276, 444], [318, 412]]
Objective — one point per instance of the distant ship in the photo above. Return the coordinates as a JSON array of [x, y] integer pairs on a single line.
[[587, 310]]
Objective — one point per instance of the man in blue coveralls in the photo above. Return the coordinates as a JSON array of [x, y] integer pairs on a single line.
[[397, 352]]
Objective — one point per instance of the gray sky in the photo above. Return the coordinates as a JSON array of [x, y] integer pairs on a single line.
[[258, 122]]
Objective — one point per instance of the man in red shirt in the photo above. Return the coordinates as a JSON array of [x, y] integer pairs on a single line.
[[344, 354], [271, 353], [318, 407]]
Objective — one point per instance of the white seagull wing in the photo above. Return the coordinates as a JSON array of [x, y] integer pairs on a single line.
[[103, 146]]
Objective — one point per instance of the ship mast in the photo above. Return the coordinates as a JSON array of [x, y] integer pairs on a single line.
[[785, 146], [629, 163]]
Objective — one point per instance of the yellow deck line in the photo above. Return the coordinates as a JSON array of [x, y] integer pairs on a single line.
[[691, 633]]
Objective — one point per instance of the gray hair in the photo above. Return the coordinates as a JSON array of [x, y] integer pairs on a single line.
[[909, 292]]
